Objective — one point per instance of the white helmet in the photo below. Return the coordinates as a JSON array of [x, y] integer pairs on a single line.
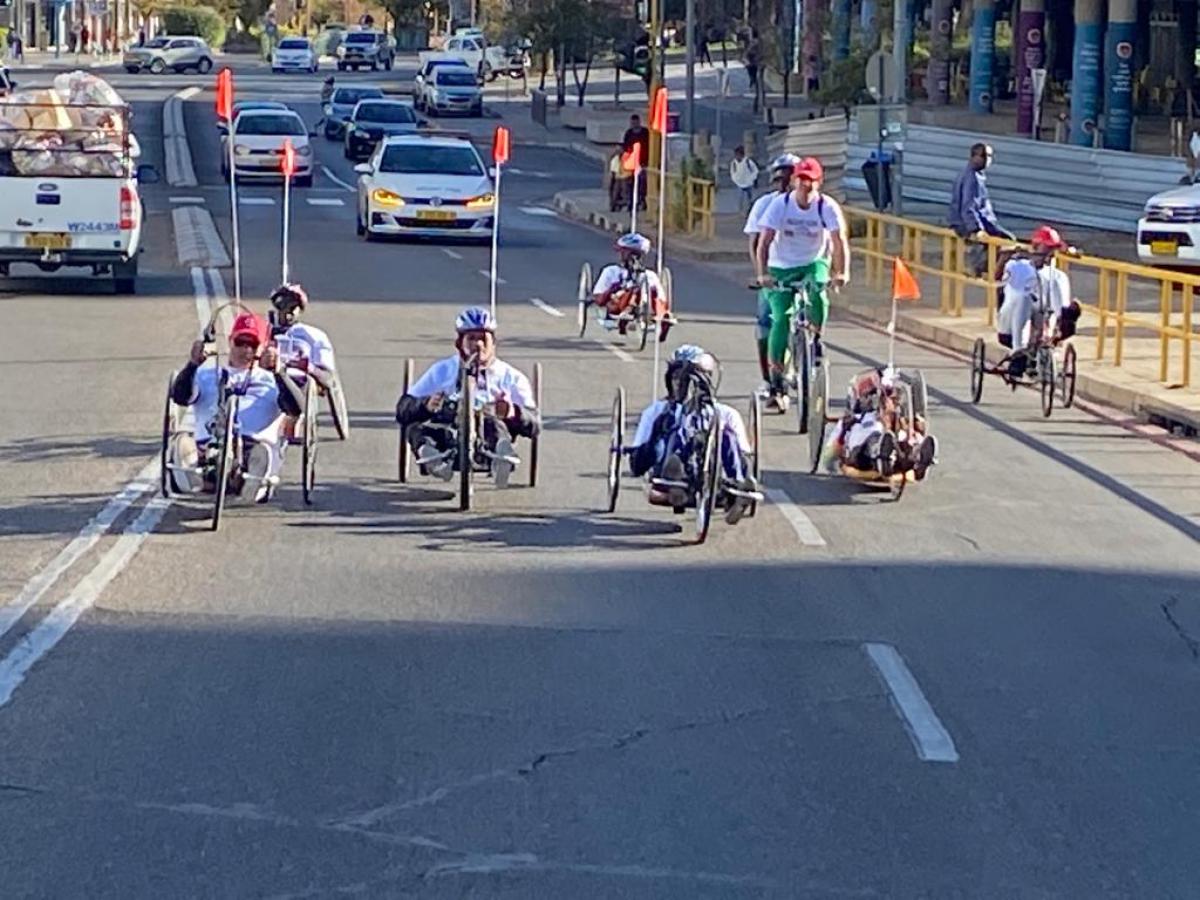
[[633, 243], [787, 161], [475, 318]]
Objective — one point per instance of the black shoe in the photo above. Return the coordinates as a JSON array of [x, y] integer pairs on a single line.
[[885, 462]]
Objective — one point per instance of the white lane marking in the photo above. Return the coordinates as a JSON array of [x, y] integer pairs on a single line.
[[614, 350], [33, 590], [546, 307], [486, 274], [200, 291], [800, 522], [256, 201], [930, 738], [453, 254], [188, 200], [43, 638], [189, 92], [324, 201], [539, 211], [329, 174]]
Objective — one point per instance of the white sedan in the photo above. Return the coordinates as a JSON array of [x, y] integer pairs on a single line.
[[425, 185], [258, 136], [1169, 231], [294, 54]]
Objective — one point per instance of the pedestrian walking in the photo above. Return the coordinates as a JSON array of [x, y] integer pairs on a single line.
[[84, 35], [702, 51], [752, 58], [743, 172], [971, 214]]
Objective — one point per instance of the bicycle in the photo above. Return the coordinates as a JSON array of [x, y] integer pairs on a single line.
[[804, 359]]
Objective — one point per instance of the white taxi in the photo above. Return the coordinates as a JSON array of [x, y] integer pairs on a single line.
[[294, 54], [258, 137], [425, 185]]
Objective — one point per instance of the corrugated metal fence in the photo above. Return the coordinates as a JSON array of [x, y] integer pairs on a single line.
[[825, 138]]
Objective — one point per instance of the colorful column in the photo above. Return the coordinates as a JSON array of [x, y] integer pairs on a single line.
[[1031, 54], [1086, 71], [1118, 74], [841, 29], [937, 84], [983, 55], [868, 21]]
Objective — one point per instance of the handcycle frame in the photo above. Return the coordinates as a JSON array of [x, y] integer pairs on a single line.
[[640, 313], [469, 455], [1044, 374], [330, 388]]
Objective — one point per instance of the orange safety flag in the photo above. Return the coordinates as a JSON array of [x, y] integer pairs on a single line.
[[658, 111], [631, 161], [501, 146], [225, 94], [904, 286], [289, 158]]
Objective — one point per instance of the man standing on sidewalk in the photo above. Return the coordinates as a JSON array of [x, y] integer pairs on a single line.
[[743, 172], [971, 213], [638, 134]]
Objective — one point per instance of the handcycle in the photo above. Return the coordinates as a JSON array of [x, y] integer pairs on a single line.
[[804, 363], [706, 486], [329, 387], [640, 314], [464, 412], [1041, 371], [907, 417]]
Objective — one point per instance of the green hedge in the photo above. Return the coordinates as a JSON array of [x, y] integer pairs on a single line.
[[201, 21]]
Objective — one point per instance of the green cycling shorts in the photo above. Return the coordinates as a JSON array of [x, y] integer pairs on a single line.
[[780, 299]]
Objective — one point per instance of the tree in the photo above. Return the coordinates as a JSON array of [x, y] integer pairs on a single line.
[[575, 31]]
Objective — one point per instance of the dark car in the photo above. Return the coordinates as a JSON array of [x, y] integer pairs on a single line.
[[341, 106], [373, 120]]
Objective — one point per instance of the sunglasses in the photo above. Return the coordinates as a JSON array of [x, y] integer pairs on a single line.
[[249, 343]]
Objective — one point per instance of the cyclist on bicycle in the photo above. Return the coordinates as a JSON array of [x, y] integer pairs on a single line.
[[873, 436], [1031, 287], [663, 441], [782, 171], [427, 413], [266, 395], [809, 235], [618, 286]]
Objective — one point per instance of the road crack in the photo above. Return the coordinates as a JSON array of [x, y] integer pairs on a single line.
[[1192, 643]]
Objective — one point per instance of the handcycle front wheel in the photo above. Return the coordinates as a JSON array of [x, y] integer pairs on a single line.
[[584, 297], [535, 441], [1046, 380], [616, 448], [1067, 376], [405, 452], [756, 443], [308, 453], [710, 473], [978, 369], [466, 437], [227, 456], [168, 427]]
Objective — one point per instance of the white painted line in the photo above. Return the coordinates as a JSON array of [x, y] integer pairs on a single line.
[[453, 254], [614, 350], [189, 92], [329, 174], [801, 523], [256, 201], [930, 738], [33, 589], [546, 307], [324, 201], [539, 211], [187, 200], [43, 638], [486, 274]]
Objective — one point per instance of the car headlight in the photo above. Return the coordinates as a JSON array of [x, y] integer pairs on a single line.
[[241, 149], [384, 197], [304, 151], [327, 109], [483, 201]]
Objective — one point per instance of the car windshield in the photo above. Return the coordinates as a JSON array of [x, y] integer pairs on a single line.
[[156, 44], [293, 44], [257, 124], [426, 159], [360, 38], [455, 78], [390, 113], [350, 96]]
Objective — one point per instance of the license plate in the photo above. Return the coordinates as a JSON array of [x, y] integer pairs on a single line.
[[436, 215], [48, 241], [1164, 248]]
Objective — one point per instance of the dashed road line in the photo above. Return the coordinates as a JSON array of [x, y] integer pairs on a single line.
[[324, 201], [329, 174], [930, 738], [546, 307], [539, 211], [453, 254], [800, 522], [256, 201], [614, 350], [188, 200], [488, 275]]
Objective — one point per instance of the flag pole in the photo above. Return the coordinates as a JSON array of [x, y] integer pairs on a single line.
[[496, 236], [633, 206], [659, 121], [225, 108], [287, 209]]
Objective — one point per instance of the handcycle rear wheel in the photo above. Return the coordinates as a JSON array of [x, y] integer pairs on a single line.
[[584, 297], [616, 448], [168, 423], [337, 408], [308, 452], [646, 320], [817, 419], [405, 452], [227, 451], [1047, 384], [668, 283], [535, 441], [756, 443], [1067, 376], [466, 437], [710, 472], [978, 369]]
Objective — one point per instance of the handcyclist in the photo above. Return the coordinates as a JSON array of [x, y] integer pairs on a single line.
[[266, 395], [872, 434], [663, 441], [1031, 284], [619, 285], [427, 413], [811, 235], [301, 345], [782, 171]]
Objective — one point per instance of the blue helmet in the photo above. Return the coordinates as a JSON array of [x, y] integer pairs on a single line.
[[475, 318], [633, 243]]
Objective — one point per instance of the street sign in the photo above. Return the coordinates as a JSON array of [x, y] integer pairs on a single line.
[[881, 75]]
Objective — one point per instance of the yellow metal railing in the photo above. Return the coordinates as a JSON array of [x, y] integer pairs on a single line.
[[691, 203], [1102, 286]]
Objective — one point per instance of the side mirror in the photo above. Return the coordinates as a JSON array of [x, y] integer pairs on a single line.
[[492, 172], [147, 174], [312, 133], [363, 169], [223, 127]]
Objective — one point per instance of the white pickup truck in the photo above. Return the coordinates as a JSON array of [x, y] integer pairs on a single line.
[[69, 189], [488, 61]]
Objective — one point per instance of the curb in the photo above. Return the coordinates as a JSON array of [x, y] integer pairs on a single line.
[[197, 241], [595, 154], [1089, 387], [177, 155]]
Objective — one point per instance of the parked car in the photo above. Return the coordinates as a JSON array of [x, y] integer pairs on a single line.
[[294, 54], [176, 53], [452, 89], [487, 61], [373, 120], [1168, 233], [427, 67], [365, 48], [427, 185], [258, 136], [341, 105]]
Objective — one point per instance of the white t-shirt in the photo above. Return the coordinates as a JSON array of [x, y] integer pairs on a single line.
[[754, 224], [731, 422], [258, 412], [303, 341], [801, 235], [613, 275], [743, 173], [499, 381]]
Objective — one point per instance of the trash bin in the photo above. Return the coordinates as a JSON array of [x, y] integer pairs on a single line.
[[877, 172]]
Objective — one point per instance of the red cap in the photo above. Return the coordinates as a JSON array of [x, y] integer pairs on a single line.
[[1049, 237], [810, 168], [249, 324]]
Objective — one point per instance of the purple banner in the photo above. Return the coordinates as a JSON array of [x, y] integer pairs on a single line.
[[1031, 54]]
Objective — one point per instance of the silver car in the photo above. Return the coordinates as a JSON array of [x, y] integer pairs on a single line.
[[176, 53]]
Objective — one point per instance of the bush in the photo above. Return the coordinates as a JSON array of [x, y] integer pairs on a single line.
[[201, 21]]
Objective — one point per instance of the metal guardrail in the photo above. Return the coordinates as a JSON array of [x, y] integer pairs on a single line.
[[1169, 313], [690, 208]]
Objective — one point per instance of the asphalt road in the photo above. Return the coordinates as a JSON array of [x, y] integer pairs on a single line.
[[986, 689]]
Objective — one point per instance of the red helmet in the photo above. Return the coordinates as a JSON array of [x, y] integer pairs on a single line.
[[1048, 237], [810, 167], [249, 324]]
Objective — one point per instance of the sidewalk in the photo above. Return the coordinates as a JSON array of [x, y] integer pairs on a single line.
[[35, 60]]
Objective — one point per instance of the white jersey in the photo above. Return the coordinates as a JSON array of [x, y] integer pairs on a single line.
[[1025, 285], [802, 235], [754, 225], [499, 381], [731, 422], [303, 341], [612, 276], [258, 412]]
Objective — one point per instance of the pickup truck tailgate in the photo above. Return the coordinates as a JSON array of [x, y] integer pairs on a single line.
[[63, 214]]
